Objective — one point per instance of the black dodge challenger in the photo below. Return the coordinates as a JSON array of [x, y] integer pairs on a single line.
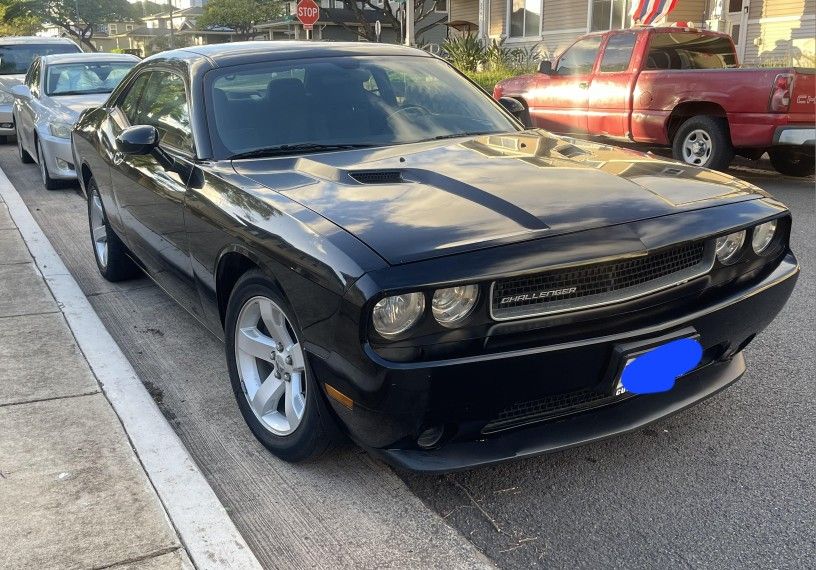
[[387, 252]]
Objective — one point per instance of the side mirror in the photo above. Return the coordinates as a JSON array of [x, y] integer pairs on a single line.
[[138, 140], [21, 91], [515, 108], [545, 67]]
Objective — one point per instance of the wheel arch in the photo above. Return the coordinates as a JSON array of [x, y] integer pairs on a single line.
[[233, 262], [688, 109]]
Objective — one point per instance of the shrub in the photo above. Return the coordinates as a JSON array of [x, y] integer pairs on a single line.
[[487, 79], [465, 52]]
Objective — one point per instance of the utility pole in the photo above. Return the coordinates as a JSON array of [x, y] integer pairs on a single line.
[[409, 22], [172, 37]]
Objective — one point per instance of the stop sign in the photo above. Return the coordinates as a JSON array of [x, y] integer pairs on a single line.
[[308, 12]]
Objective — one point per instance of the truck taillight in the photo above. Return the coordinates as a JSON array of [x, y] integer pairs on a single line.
[[498, 92], [781, 93]]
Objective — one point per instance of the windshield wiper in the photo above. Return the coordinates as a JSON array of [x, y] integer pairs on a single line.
[[295, 149], [458, 135]]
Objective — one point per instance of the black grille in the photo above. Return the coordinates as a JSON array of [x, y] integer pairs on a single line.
[[550, 407], [542, 292], [378, 177]]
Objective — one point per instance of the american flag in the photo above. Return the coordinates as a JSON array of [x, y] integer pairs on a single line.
[[647, 11]]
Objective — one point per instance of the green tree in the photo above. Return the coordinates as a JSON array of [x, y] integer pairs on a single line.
[[387, 14], [241, 16], [22, 26], [63, 13]]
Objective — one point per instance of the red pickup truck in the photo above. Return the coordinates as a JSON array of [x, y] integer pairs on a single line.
[[677, 87]]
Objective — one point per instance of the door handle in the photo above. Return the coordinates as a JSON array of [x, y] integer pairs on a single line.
[[583, 85]]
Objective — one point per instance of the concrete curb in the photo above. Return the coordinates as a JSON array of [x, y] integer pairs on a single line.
[[203, 525]]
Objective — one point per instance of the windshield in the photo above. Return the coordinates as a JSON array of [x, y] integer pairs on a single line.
[[687, 50], [345, 101], [85, 78], [15, 59]]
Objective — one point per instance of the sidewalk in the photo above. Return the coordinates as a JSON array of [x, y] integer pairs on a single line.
[[73, 494]]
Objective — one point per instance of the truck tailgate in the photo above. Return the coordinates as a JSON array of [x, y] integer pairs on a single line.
[[803, 99]]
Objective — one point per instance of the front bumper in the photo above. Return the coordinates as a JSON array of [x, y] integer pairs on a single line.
[[465, 396], [795, 135], [58, 156], [6, 119]]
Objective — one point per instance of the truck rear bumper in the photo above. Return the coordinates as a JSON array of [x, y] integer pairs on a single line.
[[795, 135]]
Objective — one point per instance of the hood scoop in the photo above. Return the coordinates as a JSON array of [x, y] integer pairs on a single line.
[[377, 176], [570, 151]]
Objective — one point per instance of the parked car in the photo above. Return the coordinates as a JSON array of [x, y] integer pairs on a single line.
[[16, 55], [384, 248], [677, 87], [57, 88]]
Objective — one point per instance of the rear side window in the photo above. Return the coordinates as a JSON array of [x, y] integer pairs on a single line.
[[580, 58], [688, 50], [618, 53]]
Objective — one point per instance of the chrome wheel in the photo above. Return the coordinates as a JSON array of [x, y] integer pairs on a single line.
[[271, 366], [697, 147], [99, 232]]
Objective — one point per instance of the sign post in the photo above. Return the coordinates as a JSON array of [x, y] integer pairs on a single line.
[[308, 12]]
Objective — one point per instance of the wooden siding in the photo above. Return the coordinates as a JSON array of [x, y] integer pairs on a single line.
[[464, 10], [498, 18], [781, 43], [564, 15], [689, 11], [780, 8]]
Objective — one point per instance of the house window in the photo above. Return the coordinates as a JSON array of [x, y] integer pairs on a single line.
[[441, 6], [608, 15], [128, 28], [525, 18], [112, 29]]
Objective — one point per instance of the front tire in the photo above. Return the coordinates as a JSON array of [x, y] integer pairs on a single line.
[[109, 252], [25, 158], [791, 163], [704, 141], [270, 374], [48, 182]]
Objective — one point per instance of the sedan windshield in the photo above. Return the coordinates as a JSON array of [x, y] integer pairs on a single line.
[[15, 59], [85, 78], [344, 102]]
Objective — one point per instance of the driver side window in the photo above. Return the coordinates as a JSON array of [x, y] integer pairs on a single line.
[[580, 58], [129, 105]]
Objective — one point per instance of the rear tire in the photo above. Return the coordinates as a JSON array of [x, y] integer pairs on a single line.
[[48, 182], [704, 141], [109, 252], [273, 383], [25, 158], [792, 163]]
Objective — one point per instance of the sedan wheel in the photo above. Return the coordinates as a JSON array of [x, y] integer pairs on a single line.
[[271, 366], [25, 158], [48, 182]]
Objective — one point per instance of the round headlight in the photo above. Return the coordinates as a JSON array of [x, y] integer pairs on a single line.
[[452, 305], [729, 246], [393, 316], [763, 236]]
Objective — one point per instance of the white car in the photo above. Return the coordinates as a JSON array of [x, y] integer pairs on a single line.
[[16, 55], [56, 90]]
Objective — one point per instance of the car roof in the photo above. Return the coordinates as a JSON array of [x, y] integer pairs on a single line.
[[255, 51], [92, 57], [15, 40]]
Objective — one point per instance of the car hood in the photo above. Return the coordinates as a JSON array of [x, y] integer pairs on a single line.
[[70, 106], [413, 202]]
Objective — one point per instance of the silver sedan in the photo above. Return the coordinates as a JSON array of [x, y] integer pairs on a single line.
[[56, 90]]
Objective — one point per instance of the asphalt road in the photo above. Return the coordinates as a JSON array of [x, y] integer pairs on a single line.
[[727, 484]]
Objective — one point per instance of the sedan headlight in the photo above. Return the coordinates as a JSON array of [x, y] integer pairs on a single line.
[[452, 305], [393, 316], [763, 236], [61, 130], [728, 247]]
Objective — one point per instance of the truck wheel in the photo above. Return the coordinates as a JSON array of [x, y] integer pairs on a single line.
[[704, 141], [791, 163]]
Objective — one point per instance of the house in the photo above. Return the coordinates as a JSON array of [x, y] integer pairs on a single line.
[[337, 21], [103, 35], [765, 31]]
